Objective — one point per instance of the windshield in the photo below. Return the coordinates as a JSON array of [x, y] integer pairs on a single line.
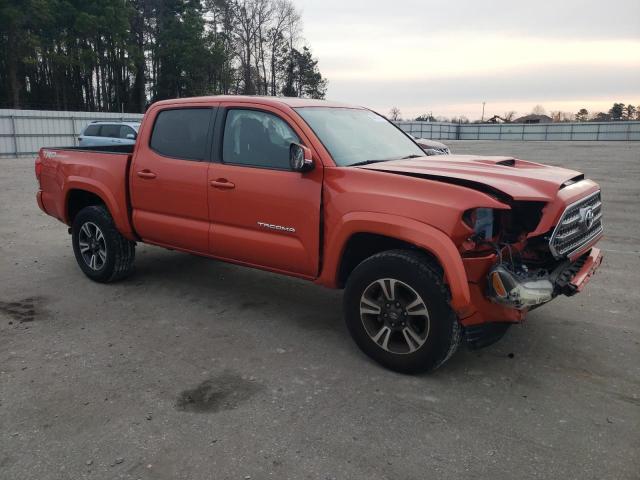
[[357, 136]]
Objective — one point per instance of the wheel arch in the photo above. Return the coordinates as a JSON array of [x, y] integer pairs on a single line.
[[387, 232], [81, 193], [78, 199], [362, 245]]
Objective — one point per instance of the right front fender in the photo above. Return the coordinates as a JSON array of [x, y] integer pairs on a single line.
[[408, 230]]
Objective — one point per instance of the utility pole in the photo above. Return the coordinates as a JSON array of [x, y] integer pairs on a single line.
[[482, 119]]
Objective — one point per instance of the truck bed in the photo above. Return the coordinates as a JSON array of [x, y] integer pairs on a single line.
[[101, 170]]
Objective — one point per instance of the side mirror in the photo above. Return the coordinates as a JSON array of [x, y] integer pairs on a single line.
[[300, 158], [131, 136]]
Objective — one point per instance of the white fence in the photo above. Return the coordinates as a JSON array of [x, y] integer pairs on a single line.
[[24, 132], [621, 131]]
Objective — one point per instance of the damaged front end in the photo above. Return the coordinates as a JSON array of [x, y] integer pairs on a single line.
[[518, 287], [513, 268]]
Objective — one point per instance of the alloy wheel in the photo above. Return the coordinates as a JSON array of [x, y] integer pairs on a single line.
[[394, 316], [93, 246]]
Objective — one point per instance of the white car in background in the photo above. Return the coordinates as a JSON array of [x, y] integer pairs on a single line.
[[431, 147], [101, 133]]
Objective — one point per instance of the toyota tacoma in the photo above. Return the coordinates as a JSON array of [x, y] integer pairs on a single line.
[[431, 251]]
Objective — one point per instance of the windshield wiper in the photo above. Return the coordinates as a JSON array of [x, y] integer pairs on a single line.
[[369, 162], [366, 162]]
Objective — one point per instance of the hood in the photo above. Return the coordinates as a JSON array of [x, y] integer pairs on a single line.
[[518, 179]]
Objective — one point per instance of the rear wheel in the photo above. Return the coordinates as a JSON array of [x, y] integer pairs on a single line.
[[397, 311], [102, 253]]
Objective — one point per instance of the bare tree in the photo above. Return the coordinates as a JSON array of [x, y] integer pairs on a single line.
[[539, 110], [264, 38], [560, 116], [285, 19], [394, 114], [509, 116], [251, 17], [263, 18]]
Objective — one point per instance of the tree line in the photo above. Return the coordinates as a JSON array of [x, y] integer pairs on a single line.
[[120, 55], [619, 111]]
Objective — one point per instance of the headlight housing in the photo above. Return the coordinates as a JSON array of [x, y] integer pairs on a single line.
[[481, 221]]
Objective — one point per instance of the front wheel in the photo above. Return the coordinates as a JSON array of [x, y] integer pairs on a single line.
[[397, 311], [101, 251]]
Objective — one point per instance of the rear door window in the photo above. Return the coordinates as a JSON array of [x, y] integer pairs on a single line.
[[182, 133], [92, 131], [111, 131]]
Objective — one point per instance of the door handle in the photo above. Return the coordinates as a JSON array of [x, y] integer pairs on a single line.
[[222, 183], [148, 174]]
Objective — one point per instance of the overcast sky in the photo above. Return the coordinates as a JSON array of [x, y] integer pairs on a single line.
[[449, 56]]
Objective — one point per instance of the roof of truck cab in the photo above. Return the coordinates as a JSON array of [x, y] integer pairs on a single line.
[[292, 102]]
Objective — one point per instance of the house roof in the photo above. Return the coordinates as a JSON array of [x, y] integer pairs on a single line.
[[534, 118]]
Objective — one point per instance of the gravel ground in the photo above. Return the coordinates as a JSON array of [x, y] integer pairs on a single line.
[[194, 369]]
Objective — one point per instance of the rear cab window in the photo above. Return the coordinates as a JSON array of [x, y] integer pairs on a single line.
[[182, 133]]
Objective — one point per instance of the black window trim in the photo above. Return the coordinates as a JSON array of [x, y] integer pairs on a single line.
[[213, 114], [219, 137]]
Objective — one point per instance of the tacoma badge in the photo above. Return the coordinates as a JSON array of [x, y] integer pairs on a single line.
[[279, 228]]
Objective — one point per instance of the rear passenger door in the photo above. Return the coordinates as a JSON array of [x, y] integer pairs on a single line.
[[168, 182], [110, 134], [263, 213]]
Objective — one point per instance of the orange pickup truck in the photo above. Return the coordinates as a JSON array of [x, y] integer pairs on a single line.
[[431, 251]]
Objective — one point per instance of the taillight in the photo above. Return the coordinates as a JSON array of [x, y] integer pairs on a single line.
[[38, 168]]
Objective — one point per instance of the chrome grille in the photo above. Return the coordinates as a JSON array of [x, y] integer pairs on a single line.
[[580, 223]]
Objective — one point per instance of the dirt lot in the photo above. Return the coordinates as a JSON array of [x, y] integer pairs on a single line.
[[194, 369]]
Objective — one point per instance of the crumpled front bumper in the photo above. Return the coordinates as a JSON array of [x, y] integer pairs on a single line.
[[581, 278], [525, 290], [572, 280]]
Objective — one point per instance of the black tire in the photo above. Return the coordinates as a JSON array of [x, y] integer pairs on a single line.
[[413, 269], [119, 252]]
